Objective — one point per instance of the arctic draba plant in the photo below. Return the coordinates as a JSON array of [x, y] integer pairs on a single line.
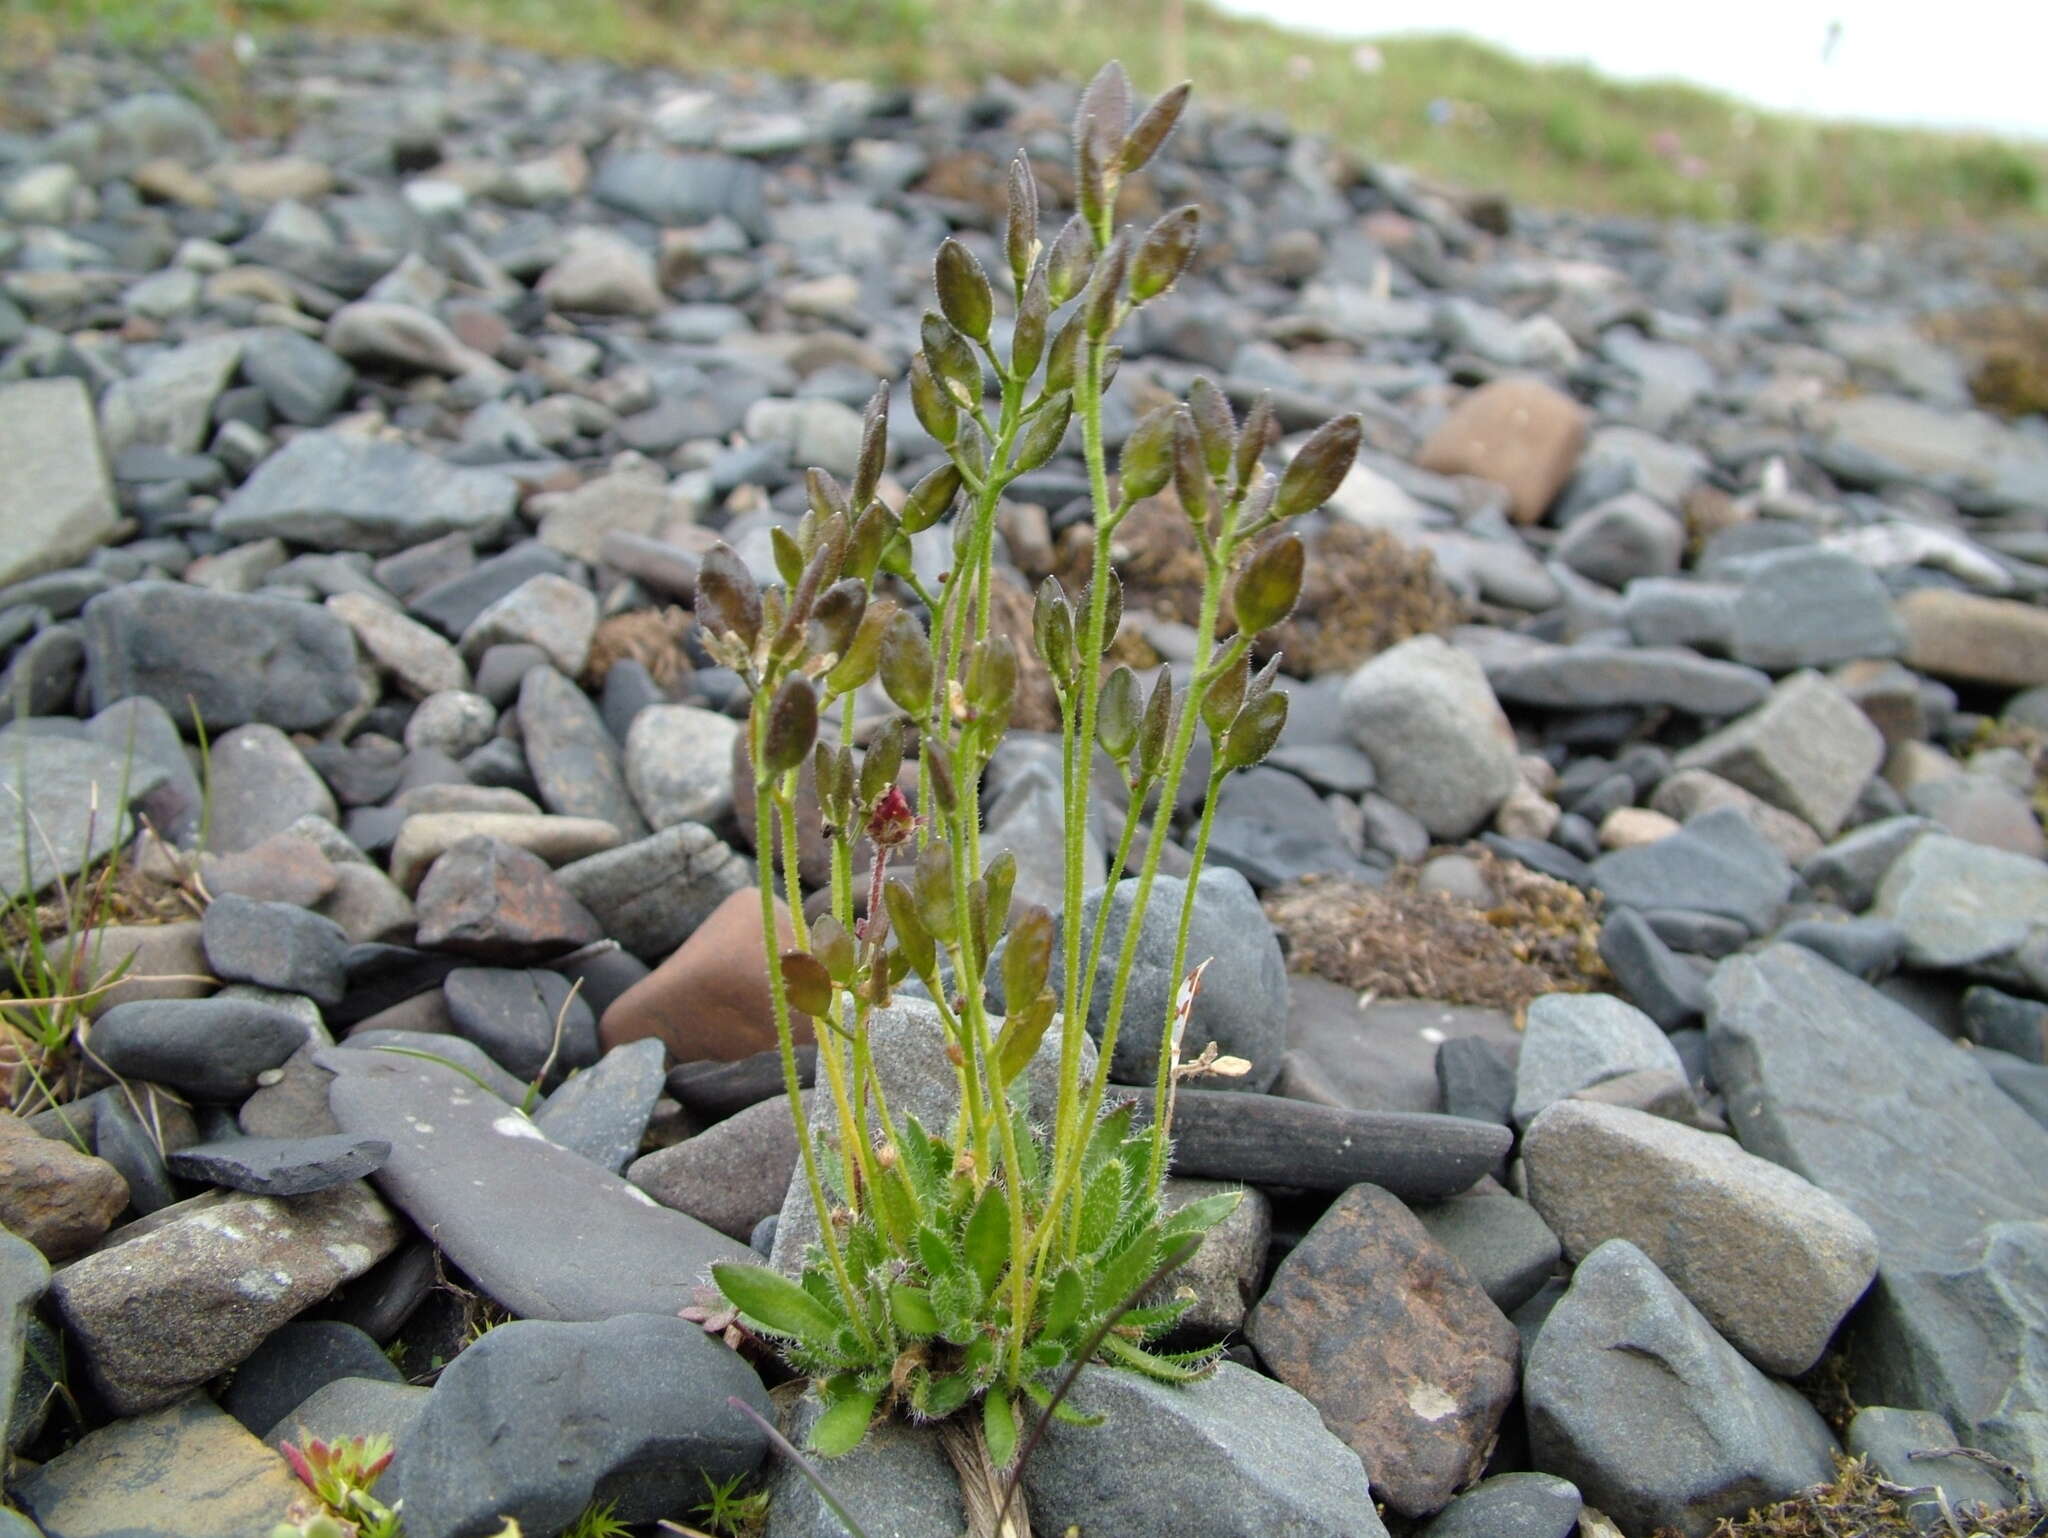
[[981, 1259]]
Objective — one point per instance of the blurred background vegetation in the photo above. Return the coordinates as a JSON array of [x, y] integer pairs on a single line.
[[1548, 134]]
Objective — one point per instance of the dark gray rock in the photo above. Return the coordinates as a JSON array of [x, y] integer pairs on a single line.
[[574, 759], [276, 945], [1806, 608], [1427, 718], [650, 895], [354, 1407], [1851, 869], [1659, 982], [513, 1016], [541, 1229], [1967, 906], [1807, 750], [209, 1048], [1477, 1079], [602, 1111], [1498, 1238], [668, 189], [1865, 948], [452, 605], [539, 1419], [1898, 1444], [337, 492], [24, 1278], [496, 903], [297, 1362], [1571, 1040], [732, 1175], [475, 1064], [280, 1166], [1270, 1140], [1511, 1506], [1272, 829], [301, 380], [230, 657], [2006, 1023], [1939, 1161], [898, 1481], [1594, 677], [60, 807], [1625, 1363], [1717, 863]]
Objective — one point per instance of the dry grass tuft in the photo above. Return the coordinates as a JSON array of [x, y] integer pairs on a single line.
[[1542, 936]]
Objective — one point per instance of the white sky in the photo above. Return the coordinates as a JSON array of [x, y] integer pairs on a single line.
[[1959, 63]]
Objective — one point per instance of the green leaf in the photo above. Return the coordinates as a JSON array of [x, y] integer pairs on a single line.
[[912, 938], [1116, 714], [1203, 1214], [1063, 1308], [936, 1254], [1165, 1368], [931, 498], [775, 1303], [841, 1427], [999, 1425], [1000, 876], [1102, 1200], [1061, 1409], [911, 1307], [807, 983], [942, 1396], [1215, 424], [932, 884], [1119, 1280], [987, 1239], [953, 362]]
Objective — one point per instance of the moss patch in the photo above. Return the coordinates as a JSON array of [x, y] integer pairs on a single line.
[[1541, 936], [1858, 1504]]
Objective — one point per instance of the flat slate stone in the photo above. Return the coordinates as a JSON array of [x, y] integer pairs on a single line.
[[271, 1166], [1827, 1076], [1717, 863], [1807, 750], [57, 502], [1572, 1040], [337, 492], [296, 1363], [1966, 906], [602, 1111], [210, 1048], [1598, 677], [541, 1229], [54, 829]]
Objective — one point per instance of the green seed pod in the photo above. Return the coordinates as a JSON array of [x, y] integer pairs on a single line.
[[1269, 584], [1094, 186], [1155, 728], [1216, 424], [789, 555], [1113, 607], [863, 653], [807, 983], [1069, 262], [1034, 315], [835, 796], [992, 682], [1063, 359], [1224, 697], [1104, 295], [837, 615], [825, 494], [970, 447], [1262, 680], [874, 450], [906, 664], [1116, 714], [935, 771], [1254, 732], [1028, 957], [728, 598], [1252, 439], [912, 938], [963, 289], [1102, 117], [1319, 469], [833, 946], [792, 726], [1112, 360], [883, 761], [1163, 255], [1146, 464], [930, 499], [1052, 631], [936, 411], [1000, 877], [864, 542], [1021, 234], [952, 358], [931, 883], [1042, 438], [1152, 127], [1190, 471]]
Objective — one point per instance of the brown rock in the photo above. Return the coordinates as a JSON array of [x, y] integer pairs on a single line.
[[426, 836], [1887, 693], [710, 999], [488, 899], [1691, 793], [284, 868], [1390, 1338], [1978, 640], [1518, 433], [730, 1175], [53, 1195]]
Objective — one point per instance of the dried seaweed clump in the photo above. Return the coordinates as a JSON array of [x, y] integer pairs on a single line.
[[2008, 348], [1541, 936], [1859, 1504], [651, 637]]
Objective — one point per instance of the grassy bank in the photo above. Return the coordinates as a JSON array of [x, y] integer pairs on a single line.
[[1557, 135]]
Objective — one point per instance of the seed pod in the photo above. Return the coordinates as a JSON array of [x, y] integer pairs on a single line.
[[1063, 359], [1052, 631], [1104, 294], [833, 946], [935, 772], [834, 800], [1146, 464], [864, 542], [1163, 255], [837, 615], [863, 653], [1224, 697], [952, 358], [1103, 115], [1034, 315], [1152, 127], [728, 598], [1215, 422], [970, 447], [825, 494], [1028, 957], [963, 289], [1094, 186], [1116, 713], [1269, 584], [906, 664], [883, 762], [1000, 877], [1042, 439], [1021, 235], [1252, 439], [792, 726], [912, 938], [1155, 728], [992, 682], [930, 499], [1319, 469], [1113, 607], [936, 411], [1112, 360], [807, 983], [1068, 263], [1190, 471], [789, 555], [1254, 732], [931, 883], [874, 450]]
